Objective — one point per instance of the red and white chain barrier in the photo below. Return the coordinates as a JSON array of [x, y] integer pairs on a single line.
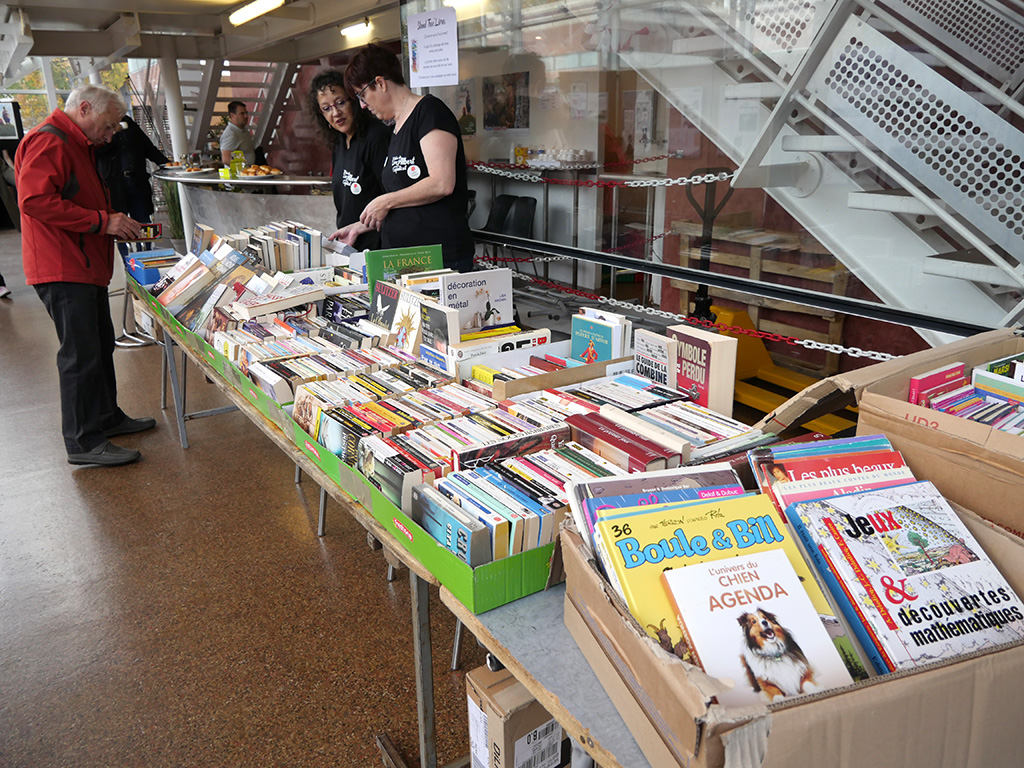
[[672, 316], [520, 173]]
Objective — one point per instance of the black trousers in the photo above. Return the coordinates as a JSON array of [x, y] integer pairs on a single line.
[[85, 362]]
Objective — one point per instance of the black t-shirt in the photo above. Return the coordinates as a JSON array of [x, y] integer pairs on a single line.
[[356, 177], [443, 221]]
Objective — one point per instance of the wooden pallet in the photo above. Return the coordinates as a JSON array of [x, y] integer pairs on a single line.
[[762, 261]]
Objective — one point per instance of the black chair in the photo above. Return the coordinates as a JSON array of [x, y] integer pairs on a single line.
[[519, 222], [499, 213]]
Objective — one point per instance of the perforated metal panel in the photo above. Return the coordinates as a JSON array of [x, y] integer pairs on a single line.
[[965, 154], [781, 29], [991, 39]]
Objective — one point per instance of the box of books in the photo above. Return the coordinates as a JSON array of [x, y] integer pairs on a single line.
[[479, 588], [971, 461], [936, 709]]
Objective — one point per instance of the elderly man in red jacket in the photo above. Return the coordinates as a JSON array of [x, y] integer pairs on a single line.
[[67, 236]]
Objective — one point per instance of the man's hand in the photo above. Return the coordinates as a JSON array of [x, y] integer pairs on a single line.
[[123, 227]]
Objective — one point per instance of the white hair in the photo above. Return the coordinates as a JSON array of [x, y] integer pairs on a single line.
[[101, 98]]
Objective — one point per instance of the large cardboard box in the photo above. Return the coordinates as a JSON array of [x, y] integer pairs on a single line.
[[508, 727], [963, 713], [972, 464]]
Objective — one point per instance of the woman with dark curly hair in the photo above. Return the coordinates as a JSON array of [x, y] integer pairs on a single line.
[[359, 144], [425, 170]]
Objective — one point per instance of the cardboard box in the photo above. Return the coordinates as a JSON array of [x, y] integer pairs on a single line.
[[964, 712], [508, 727], [972, 464]]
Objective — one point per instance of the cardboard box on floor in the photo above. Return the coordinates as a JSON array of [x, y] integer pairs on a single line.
[[964, 713], [508, 727], [972, 464]]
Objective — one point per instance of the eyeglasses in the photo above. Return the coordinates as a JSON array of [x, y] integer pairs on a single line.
[[327, 108], [360, 94]]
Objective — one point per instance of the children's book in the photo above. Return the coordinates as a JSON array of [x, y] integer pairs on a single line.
[[903, 567], [636, 545], [749, 620]]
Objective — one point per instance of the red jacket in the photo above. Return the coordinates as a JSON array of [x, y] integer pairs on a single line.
[[64, 206]]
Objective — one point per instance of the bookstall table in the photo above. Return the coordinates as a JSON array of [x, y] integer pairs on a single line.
[[529, 637], [419, 577]]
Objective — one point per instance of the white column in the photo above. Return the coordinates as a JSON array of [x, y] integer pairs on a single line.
[[51, 89], [176, 120]]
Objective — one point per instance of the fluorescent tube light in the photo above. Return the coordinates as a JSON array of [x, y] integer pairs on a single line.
[[359, 28], [252, 10]]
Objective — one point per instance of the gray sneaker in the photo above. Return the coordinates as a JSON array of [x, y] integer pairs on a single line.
[[106, 455]]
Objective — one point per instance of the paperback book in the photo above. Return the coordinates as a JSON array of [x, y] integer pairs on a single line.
[[707, 366]]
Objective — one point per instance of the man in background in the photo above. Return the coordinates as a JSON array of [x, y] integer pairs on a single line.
[[68, 231], [236, 135]]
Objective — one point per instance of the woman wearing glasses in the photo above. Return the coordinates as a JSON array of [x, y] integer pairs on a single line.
[[359, 144], [424, 174]]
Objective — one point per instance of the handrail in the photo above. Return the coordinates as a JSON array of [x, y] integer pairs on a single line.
[[844, 304]]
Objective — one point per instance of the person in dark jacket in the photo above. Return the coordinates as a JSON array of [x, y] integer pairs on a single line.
[[67, 243], [122, 164]]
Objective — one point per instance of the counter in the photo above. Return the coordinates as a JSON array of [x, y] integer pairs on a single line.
[[288, 197]]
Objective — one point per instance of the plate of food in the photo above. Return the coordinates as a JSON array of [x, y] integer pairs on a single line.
[[193, 170], [261, 171]]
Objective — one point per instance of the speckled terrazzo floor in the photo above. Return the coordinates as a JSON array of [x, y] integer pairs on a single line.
[[182, 611]]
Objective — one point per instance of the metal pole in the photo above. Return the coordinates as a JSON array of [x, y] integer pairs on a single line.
[[175, 119]]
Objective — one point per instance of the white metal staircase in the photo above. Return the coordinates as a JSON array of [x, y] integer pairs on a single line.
[[890, 130]]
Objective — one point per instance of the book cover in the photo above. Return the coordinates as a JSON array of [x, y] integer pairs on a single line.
[[467, 350], [904, 565], [937, 377], [389, 264], [749, 620], [636, 545], [439, 327], [707, 366], [656, 357], [202, 236], [405, 328], [383, 304], [483, 299], [594, 341], [596, 433]]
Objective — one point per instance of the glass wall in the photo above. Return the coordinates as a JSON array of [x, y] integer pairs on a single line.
[[871, 147]]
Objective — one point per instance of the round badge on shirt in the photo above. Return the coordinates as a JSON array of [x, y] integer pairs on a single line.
[[414, 171], [356, 188]]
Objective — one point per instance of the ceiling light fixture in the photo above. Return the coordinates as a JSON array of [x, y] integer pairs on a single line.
[[359, 28], [252, 10]]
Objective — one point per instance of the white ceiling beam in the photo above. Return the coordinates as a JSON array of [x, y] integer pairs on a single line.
[[123, 38], [16, 44]]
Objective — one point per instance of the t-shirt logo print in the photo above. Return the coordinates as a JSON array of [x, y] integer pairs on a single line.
[[351, 181], [400, 164]]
